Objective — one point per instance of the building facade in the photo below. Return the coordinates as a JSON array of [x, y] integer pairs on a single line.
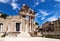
[[24, 22], [51, 28]]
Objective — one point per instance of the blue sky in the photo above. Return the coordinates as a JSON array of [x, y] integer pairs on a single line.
[[46, 10]]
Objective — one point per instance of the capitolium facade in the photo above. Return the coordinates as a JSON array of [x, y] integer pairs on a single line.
[[23, 22]]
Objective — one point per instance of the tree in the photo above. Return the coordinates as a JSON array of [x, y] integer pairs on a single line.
[[3, 16], [36, 23]]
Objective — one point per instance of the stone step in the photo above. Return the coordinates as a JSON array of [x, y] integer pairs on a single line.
[[24, 34]]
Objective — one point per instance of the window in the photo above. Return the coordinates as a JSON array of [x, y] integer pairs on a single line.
[[59, 27], [55, 23], [1, 27], [58, 22], [56, 27]]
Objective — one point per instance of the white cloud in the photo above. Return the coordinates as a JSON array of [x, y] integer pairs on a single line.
[[37, 14], [45, 13], [52, 18], [4, 1], [42, 18], [14, 1], [42, 14], [14, 5], [57, 0], [42, 0], [37, 3]]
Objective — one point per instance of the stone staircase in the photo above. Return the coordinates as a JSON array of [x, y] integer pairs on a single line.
[[33, 34], [24, 35], [18, 34]]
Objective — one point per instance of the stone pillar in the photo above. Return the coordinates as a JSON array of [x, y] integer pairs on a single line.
[[8, 28], [30, 24], [21, 24], [27, 26]]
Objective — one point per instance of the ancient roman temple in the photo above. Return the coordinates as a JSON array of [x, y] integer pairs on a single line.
[[23, 22]]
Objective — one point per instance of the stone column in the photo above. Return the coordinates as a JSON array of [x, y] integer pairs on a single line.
[[30, 24], [27, 26], [20, 23], [8, 28]]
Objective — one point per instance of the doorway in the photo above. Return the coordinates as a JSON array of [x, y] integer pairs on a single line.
[[17, 26]]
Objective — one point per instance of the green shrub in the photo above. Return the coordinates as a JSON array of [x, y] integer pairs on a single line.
[[3, 36], [53, 36]]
